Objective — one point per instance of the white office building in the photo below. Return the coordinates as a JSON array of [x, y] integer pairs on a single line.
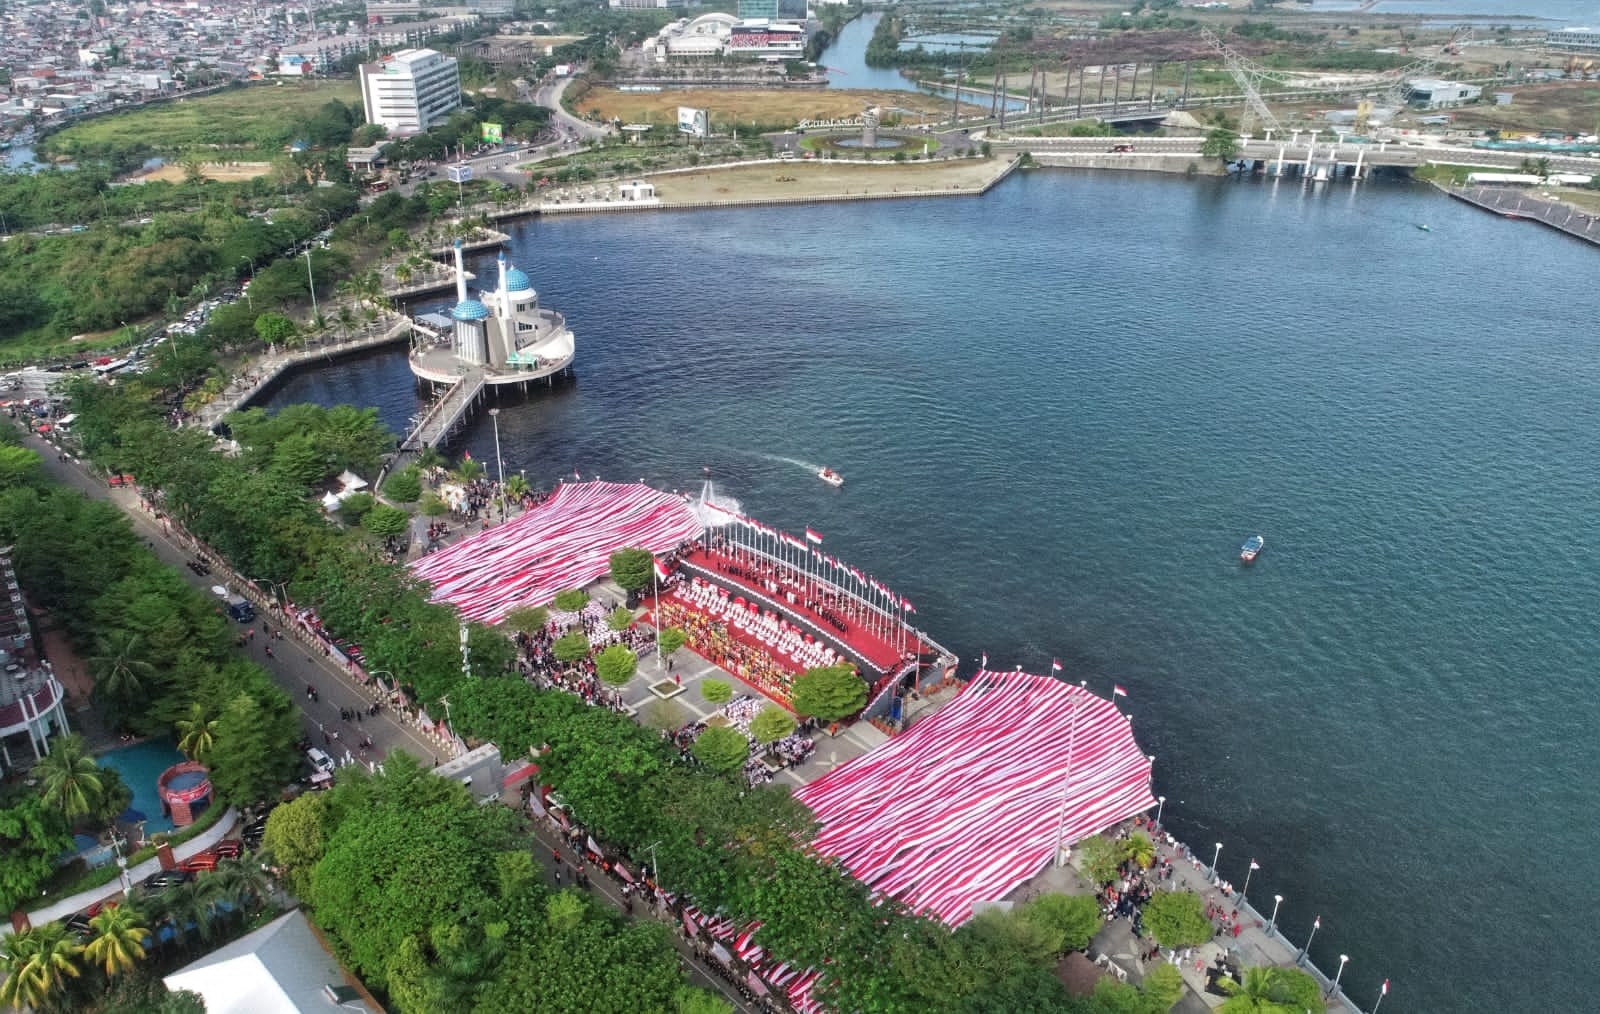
[[411, 90], [1583, 40]]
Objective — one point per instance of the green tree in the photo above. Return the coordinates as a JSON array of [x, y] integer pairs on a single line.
[[18, 466], [275, 328], [469, 470], [70, 779], [1220, 143], [632, 568], [117, 943], [694, 1000], [619, 619], [36, 964], [616, 665], [1099, 858], [355, 507], [386, 521], [432, 506], [1163, 984], [664, 715], [1139, 849], [671, 640], [571, 647], [1270, 990], [404, 486], [1177, 919], [771, 724], [528, 619], [253, 757], [197, 734], [829, 693], [294, 839], [721, 749], [571, 601], [1074, 917], [120, 669], [32, 835], [716, 691]]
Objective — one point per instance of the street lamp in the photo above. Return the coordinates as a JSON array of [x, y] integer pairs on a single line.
[[1160, 802], [1214, 857], [499, 465], [1316, 924], [311, 279], [1272, 924], [1344, 959], [1245, 894]]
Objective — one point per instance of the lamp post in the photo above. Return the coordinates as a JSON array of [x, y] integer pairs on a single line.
[[1316, 924], [1244, 895], [1160, 802], [1272, 924], [1214, 857], [312, 281], [499, 465], [1344, 959]]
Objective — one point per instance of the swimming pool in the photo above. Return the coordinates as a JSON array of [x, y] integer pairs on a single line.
[[140, 765]]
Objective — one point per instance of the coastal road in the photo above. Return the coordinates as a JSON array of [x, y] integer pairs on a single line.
[[549, 94], [293, 665]]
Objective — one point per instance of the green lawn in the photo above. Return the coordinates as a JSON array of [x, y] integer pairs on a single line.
[[260, 116]]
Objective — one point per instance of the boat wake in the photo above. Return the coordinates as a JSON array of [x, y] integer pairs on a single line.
[[809, 466], [709, 495]]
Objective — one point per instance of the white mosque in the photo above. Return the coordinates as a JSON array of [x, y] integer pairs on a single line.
[[501, 337]]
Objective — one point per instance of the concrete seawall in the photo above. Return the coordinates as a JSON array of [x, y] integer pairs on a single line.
[[1183, 164]]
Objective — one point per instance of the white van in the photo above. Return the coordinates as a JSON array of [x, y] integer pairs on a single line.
[[786, 156], [320, 761]]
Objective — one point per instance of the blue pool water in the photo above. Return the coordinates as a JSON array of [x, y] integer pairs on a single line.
[[140, 765]]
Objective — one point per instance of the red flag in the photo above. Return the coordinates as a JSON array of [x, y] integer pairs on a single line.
[[661, 569], [466, 455], [907, 606], [1386, 987], [985, 663], [1055, 665], [1254, 865], [1117, 691], [575, 474], [812, 536]]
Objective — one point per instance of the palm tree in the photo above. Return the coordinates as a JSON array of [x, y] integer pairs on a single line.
[[119, 668], [71, 778], [1140, 849], [516, 487], [1261, 992], [193, 908], [118, 942], [197, 734], [469, 469], [37, 964], [239, 882], [347, 320], [430, 458]]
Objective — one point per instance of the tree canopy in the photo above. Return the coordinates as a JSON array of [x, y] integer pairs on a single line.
[[632, 568], [829, 693]]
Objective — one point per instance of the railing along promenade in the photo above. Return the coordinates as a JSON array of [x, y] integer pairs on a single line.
[[445, 414], [1521, 203]]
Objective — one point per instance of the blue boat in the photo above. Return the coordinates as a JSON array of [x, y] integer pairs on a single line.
[[1251, 549]]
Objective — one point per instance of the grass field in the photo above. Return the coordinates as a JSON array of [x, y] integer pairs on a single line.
[[1571, 106], [261, 116], [225, 172], [818, 179], [756, 106]]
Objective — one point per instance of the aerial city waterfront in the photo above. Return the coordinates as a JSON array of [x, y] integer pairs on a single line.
[[797, 507]]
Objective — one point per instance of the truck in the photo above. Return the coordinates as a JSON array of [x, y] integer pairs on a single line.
[[240, 608]]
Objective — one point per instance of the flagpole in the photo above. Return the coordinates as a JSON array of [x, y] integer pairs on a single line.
[[655, 606], [1383, 992], [1066, 788], [1244, 895]]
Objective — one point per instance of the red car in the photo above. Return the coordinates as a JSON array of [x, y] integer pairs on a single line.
[[228, 848]]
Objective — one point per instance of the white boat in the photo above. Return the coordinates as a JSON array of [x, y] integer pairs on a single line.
[[1252, 548], [830, 477]]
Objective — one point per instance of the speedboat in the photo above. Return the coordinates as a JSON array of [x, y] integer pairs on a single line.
[[830, 477], [1251, 549]]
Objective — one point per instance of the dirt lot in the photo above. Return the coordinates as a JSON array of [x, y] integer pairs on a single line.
[[823, 179], [1570, 106], [762, 107], [226, 172]]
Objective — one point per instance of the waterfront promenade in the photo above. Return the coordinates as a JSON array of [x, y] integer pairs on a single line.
[[1532, 205]]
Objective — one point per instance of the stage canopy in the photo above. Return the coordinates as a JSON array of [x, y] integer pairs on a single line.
[[966, 805], [565, 542]]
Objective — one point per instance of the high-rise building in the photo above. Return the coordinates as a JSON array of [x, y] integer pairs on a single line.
[[411, 90]]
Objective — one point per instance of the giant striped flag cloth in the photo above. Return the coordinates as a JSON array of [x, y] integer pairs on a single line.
[[565, 542], [965, 806]]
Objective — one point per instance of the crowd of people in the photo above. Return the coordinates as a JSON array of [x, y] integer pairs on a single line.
[[712, 641], [537, 663], [759, 767], [787, 584]]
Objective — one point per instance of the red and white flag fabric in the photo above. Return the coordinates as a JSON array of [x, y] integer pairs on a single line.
[[1055, 665], [984, 664], [1386, 987], [1117, 691], [466, 455], [1254, 865], [895, 822], [907, 606], [594, 847], [791, 540], [813, 536], [661, 569]]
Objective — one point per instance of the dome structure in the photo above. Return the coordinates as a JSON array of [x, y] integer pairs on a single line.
[[518, 281], [470, 309]]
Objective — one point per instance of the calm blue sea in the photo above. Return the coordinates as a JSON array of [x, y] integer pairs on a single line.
[[1061, 407]]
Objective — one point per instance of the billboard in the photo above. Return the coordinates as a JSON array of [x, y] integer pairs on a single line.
[[492, 133], [694, 122]]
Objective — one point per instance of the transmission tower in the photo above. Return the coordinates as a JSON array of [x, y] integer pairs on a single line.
[[1249, 76], [1393, 97]]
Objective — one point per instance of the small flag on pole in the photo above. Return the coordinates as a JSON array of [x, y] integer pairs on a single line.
[[1254, 865], [1055, 665], [1317, 924], [907, 606], [984, 664], [812, 536], [1117, 691], [575, 474], [661, 569], [466, 455], [1385, 987]]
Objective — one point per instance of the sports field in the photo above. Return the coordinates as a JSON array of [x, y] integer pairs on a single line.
[[261, 117]]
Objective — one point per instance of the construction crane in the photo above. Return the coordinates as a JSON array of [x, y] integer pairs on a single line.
[[1394, 97], [1248, 75]]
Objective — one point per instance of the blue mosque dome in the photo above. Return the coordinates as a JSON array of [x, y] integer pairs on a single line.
[[517, 281], [470, 309]]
